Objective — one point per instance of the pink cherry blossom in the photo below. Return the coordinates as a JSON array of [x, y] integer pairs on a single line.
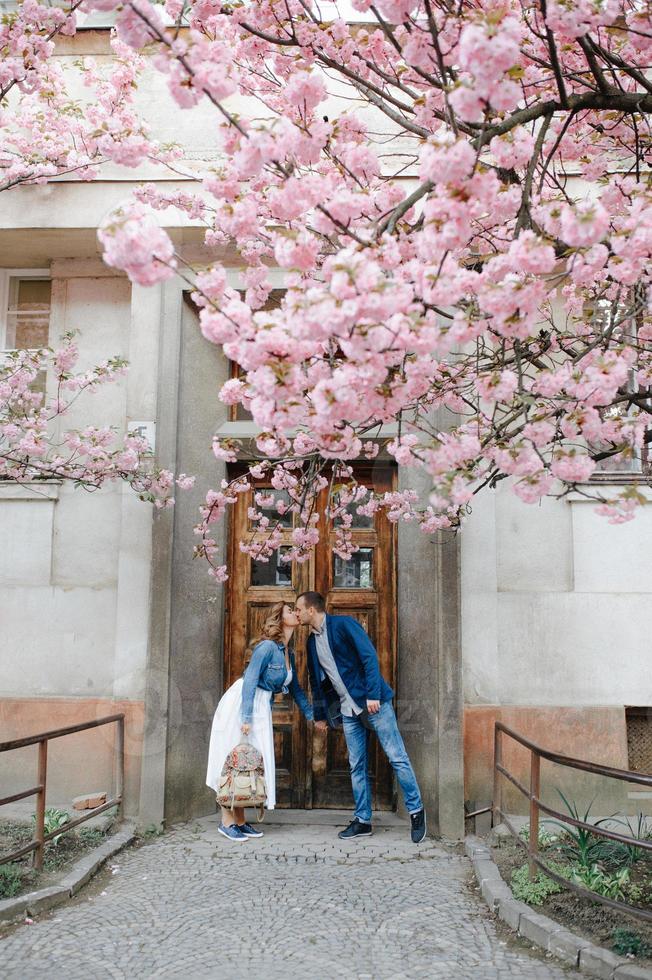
[[305, 90], [465, 234], [135, 243], [584, 224]]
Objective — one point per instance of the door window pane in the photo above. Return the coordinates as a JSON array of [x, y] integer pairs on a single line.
[[359, 520], [285, 520], [272, 573], [356, 573]]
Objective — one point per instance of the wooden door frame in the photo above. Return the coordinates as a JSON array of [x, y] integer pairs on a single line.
[[303, 734]]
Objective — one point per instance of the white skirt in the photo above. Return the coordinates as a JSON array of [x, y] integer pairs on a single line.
[[226, 734]]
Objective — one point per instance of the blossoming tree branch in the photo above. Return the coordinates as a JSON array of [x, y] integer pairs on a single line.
[[48, 133], [460, 196]]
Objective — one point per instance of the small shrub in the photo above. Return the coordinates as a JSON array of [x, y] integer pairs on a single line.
[[535, 892], [91, 835], [628, 943], [10, 880], [152, 830], [639, 894], [629, 854], [596, 880], [580, 846], [546, 839], [53, 820]]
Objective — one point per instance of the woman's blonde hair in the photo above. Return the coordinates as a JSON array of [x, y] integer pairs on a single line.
[[272, 628]]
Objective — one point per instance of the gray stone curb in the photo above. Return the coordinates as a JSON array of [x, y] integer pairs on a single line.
[[15, 909], [541, 930]]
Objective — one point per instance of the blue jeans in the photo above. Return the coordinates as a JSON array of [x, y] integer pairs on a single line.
[[357, 740]]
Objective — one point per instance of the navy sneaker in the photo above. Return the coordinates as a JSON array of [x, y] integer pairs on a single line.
[[418, 831], [356, 829], [249, 831], [233, 833]]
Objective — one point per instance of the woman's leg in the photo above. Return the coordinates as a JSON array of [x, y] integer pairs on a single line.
[[228, 816], [239, 815]]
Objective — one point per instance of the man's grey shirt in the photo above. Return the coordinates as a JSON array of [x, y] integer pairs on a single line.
[[327, 661]]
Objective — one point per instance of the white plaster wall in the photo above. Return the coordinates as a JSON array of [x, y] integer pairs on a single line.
[[556, 604], [74, 566]]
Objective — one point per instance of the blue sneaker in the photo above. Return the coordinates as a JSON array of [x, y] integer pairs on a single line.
[[249, 831], [232, 832]]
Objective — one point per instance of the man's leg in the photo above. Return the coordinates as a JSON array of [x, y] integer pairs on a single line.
[[386, 728], [356, 736]]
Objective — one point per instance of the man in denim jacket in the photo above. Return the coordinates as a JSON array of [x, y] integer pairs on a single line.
[[348, 691]]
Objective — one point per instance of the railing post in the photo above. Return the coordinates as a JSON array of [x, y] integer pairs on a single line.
[[40, 803], [497, 805], [120, 765], [535, 789]]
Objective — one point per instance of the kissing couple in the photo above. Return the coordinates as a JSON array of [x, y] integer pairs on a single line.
[[348, 692]]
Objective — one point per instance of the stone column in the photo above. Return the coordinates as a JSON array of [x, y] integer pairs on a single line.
[[430, 707], [155, 733], [196, 630]]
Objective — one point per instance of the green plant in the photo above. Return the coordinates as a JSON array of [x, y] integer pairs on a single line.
[[152, 830], [628, 943], [535, 891], [53, 820], [629, 854], [601, 882], [578, 845], [546, 839], [10, 880], [639, 894], [90, 835]]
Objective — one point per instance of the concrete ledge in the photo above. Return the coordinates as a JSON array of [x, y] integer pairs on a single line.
[[510, 910], [540, 929], [494, 892], [602, 963], [567, 946], [14, 909], [631, 972]]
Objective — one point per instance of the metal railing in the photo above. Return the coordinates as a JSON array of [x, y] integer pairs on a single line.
[[40, 837], [537, 806]]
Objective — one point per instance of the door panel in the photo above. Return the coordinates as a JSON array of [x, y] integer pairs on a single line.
[[364, 588], [312, 769]]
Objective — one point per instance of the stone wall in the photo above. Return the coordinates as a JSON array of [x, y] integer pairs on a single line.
[[556, 620], [74, 579]]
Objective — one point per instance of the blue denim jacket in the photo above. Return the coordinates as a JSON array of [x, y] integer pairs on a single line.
[[357, 662], [267, 669]]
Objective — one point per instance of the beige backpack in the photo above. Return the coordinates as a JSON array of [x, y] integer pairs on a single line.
[[242, 782]]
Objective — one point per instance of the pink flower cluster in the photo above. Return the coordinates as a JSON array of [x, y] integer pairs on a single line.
[[449, 270], [34, 446], [134, 242]]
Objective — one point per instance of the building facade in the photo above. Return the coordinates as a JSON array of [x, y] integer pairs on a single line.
[[537, 616]]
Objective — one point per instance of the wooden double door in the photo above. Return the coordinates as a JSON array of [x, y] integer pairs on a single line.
[[312, 768]]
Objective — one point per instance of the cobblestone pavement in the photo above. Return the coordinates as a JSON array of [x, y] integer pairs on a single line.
[[297, 903]]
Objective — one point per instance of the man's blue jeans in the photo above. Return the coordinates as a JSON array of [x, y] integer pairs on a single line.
[[357, 740]]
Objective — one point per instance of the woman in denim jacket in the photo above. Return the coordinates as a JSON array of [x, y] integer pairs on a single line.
[[246, 709]]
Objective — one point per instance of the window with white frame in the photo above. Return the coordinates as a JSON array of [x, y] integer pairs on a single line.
[[25, 298]]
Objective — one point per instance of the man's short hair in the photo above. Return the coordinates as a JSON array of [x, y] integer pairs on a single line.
[[314, 600]]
